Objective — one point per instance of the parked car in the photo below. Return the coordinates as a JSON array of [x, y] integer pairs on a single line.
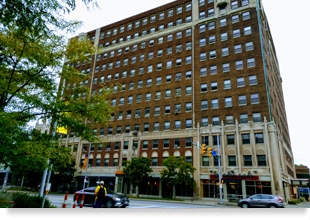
[[112, 198], [262, 201]]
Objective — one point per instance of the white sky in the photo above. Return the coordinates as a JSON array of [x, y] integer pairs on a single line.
[[288, 21]]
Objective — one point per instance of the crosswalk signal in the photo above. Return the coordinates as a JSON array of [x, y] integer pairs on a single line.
[[209, 152], [203, 148]]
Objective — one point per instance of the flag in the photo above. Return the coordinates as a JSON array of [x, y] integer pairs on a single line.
[[61, 130], [85, 162]]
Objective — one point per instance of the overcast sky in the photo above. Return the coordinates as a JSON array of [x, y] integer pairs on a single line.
[[288, 21]]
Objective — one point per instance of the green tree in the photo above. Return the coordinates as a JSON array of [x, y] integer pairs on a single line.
[[137, 169], [34, 55], [179, 172]]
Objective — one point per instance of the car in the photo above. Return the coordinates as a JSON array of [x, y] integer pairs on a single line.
[[262, 201], [111, 200]]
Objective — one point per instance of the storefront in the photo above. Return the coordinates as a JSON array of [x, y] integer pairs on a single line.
[[234, 187]]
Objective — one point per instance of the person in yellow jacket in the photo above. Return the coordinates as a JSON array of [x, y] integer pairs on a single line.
[[99, 199]]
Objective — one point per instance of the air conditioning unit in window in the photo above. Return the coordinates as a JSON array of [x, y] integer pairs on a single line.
[[179, 50], [177, 111], [142, 47], [178, 94], [139, 86], [139, 100], [188, 48], [178, 79]]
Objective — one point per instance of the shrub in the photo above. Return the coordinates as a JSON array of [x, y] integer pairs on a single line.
[[25, 200], [302, 199], [294, 201]]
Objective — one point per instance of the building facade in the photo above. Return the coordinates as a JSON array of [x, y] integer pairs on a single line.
[[182, 74]]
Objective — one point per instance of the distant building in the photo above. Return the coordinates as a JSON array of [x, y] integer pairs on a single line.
[[302, 172], [189, 71]]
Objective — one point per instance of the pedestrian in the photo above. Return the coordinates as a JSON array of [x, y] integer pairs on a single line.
[[100, 193]]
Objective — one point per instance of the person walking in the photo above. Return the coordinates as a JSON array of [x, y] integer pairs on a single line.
[[100, 193]]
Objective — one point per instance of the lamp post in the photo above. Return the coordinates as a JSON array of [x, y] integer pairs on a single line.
[[219, 167]]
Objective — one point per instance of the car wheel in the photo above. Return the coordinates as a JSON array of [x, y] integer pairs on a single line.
[[272, 206], [123, 206], [109, 204], [245, 205]]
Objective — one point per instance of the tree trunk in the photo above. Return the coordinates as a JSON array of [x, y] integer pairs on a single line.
[[173, 191], [137, 191]]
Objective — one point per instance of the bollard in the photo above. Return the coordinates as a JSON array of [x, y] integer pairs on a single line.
[[82, 201], [75, 201], [64, 205]]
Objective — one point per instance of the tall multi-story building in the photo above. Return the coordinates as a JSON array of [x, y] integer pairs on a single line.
[[190, 70]]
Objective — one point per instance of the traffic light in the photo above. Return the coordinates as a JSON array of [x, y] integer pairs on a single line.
[[209, 152], [203, 148]]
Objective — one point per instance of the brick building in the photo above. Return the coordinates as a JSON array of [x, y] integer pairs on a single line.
[[190, 70]]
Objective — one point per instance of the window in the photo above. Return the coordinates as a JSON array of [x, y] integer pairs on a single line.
[[223, 22], [205, 161], [178, 92], [247, 160], [215, 121], [179, 10], [243, 118], [156, 110], [201, 2], [158, 80], [202, 42], [179, 21], [236, 33], [149, 68], [169, 37], [213, 69], [188, 60], [177, 124], [168, 78], [153, 18], [245, 2], [169, 50], [203, 87], [214, 103], [188, 123], [170, 24], [188, 46], [168, 64], [167, 125], [261, 160], [249, 46], [211, 12], [202, 28], [242, 100], [224, 36], [237, 48], [204, 122], [137, 24], [166, 143], [159, 53], [259, 138], [188, 32], [129, 100], [202, 15], [178, 62], [234, 4], [245, 138], [144, 21], [161, 15], [168, 93], [145, 144], [203, 71], [229, 119], [240, 82], [188, 6], [247, 30], [226, 67], [146, 127], [128, 114], [252, 80], [257, 117], [239, 64], [157, 95], [230, 139], [156, 126], [188, 90], [188, 18], [212, 54], [245, 15], [203, 56], [188, 106], [251, 62], [204, 104], [235, 18], [214, 86], [228, 102], [141, 70], [232, 161], [211, 25], [225, 51], [227, 84], [254, 98], [160, 28]]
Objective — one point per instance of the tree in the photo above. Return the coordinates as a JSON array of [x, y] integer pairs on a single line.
[[34, 54], [137, 169], [178, 171]]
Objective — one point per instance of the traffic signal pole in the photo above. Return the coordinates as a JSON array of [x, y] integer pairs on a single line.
[[219, 168]]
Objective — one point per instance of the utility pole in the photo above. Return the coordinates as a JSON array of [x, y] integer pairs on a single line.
[[87, 159], [219, 168], [6, 178]]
